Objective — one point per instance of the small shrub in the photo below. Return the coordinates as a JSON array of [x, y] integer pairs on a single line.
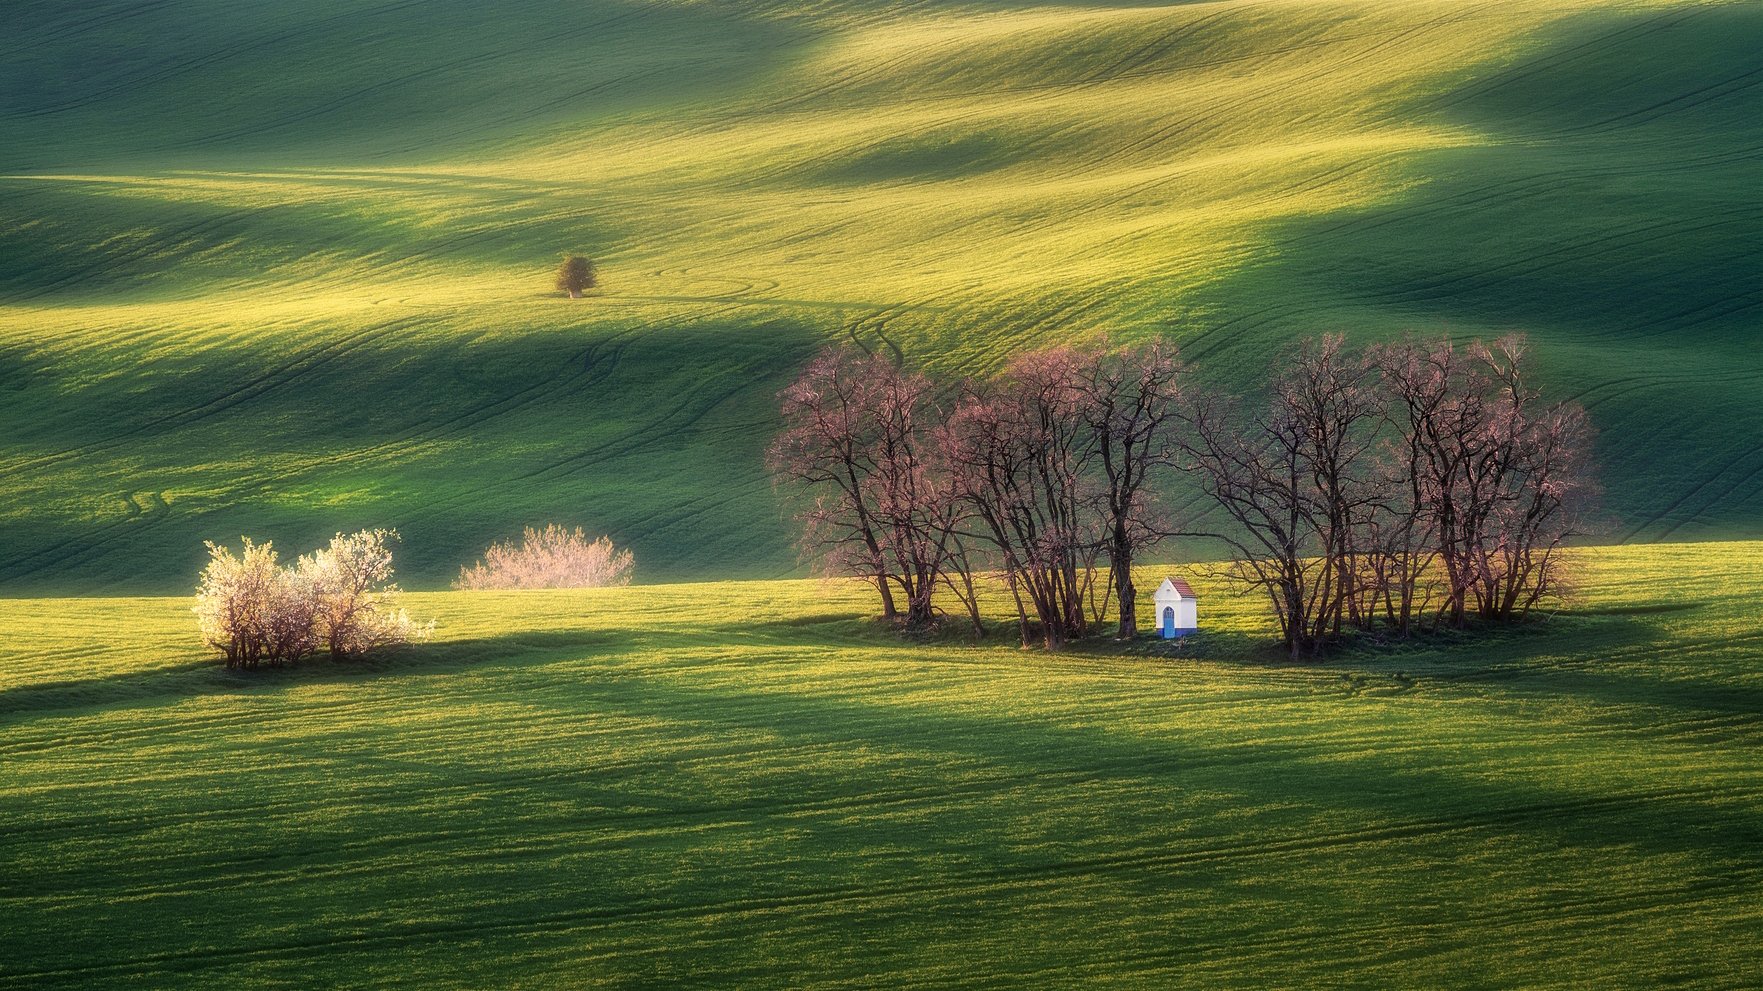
[[550, 558]]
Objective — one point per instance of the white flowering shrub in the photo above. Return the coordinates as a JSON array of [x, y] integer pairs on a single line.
[[550, 558], [355, 600], [255, 612]]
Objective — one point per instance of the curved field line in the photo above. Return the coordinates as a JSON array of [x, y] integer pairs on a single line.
[[971, 882]]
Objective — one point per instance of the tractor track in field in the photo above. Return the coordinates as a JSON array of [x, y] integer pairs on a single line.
[[439, 69], [1217, 112], [1506, 191], [967, 883], [1506, 673], [682, 417], [1665, 108], [78, 27], [1383, 941], [577, 375], [957, 115], [1620, 242], [288, 372], [608, 828], [161, 73], [159, 244], [1088, 166], [876, 323], [509, 782], [1591, 48], [596, 368], [97, 540], [1729, 464], [1098, 78], [1744, 483], [675, 515]]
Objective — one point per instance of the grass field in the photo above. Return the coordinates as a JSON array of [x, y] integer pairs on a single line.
[[623, 787], [284, 271]]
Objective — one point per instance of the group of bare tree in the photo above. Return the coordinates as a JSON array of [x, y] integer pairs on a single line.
[[1404, 486], [1407, 485], [1039, 473]]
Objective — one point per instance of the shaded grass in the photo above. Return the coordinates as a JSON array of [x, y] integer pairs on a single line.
[[626, 786]]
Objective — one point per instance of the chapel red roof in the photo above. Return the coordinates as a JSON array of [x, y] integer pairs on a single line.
[[1187, 591]]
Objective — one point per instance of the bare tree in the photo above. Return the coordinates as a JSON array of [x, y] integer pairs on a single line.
[[1436, 423], [1129, 397], [1398, 547], [913, 503], [1330, 397], [1497, 481], [1296, 483], [1541, 489], [826, 444], [576, 275], [1370, 486], [859, 432], [1254, 471]]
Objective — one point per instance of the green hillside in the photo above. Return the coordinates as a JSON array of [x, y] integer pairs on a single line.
[[282, 270], [619, 788]]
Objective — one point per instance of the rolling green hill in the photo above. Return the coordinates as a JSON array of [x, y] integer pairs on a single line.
[[620, 788], [282, 270]]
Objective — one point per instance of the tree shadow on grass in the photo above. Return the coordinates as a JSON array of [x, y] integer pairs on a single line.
[[1381, 778], [209, 676], [1300, 789]]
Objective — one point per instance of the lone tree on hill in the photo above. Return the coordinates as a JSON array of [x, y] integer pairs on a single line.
[[575, 275]]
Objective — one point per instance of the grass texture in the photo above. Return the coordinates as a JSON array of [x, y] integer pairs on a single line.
[[745, 784], [283, 271]]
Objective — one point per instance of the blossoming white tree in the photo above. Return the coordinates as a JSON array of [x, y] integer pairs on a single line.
[[354, 599], [253, 610]]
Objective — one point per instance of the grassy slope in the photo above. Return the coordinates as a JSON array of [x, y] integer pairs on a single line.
[[282, 271], [613, 788]]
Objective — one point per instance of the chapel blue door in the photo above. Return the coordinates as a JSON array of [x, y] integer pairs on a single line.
[[1168, 622]]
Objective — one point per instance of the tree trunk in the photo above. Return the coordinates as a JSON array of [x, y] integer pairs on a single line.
[[1128, 594], [575, 294], [889, 611], [920, 607], [1021, 613]]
